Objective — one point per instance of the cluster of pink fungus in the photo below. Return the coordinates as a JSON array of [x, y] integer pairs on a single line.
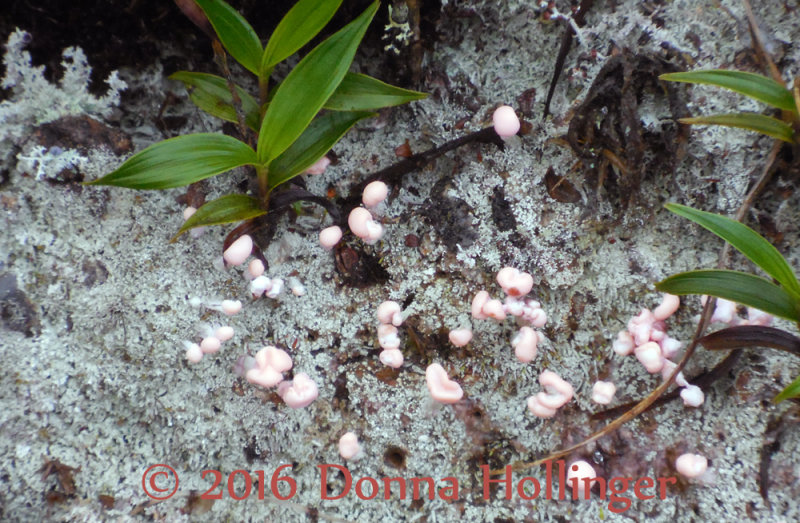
[[212, 341], [516, 284], [266, 370], [646, 337], [389, 318]]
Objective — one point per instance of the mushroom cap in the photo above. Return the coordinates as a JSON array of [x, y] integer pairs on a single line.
[[505, 121], [239, 250], [441, 387]]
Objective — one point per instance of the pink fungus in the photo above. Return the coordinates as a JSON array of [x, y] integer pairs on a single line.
[[669, 346], [692, 396], [361, 223], [271, 363], [669, 304], [231, 307], [603, 392], [299, 392], [349, 447], [505, 121], [478, 302], [514, 282], [255, 269], [442, 388], [275, 289], [224, 333], [260, 285], [387, 337], [556, 394], [391, 358], [330, 236], [389, 313], [623, 345], [374, 193], [579, 476], [525, 344], [757, 317], [239, 250], [319, 166], [210, 345], [194, 353], [460, 337], [494, 309], [649, 355], [691, 465]]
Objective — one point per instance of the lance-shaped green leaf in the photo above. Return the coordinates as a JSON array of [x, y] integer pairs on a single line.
[[304, 91], [180, 161], [359, 92], [740, 287], [747, 241], [755, 86], [227, 209], [748, 336], [759, 123], [315, 141], [791, 391], [296, 29], [211, 94], [235, 33]]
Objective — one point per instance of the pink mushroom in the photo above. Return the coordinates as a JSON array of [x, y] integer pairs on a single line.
[[691, 465], [271, 363], [349, 447], [579, 475], [603, 392], [330, 236], [299, 392], [442, 388], [515, 282], [460, 337], [389, 313], [506, 123], [239, 250], [669, 304], [374, 193], [525, 344]]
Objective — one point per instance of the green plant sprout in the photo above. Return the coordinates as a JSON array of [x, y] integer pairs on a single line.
[[780, 299], [758, 87], [295, 124]]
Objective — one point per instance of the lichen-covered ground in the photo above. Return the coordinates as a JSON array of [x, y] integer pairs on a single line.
[[96, 301]]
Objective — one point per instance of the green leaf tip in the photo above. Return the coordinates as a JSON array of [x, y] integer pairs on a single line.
[[236, 34], [180, 161], [759, 123], [226, 209], [753, 85]]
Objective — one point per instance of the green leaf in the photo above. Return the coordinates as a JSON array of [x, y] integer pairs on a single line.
[[211, 94], [747, 241], [315, 141], [180, 161], [740, 287], [301, 24], [304, 91], [754, 122], [755, 86], [791, 391], [227, 209], [235, 33], [359, 92]]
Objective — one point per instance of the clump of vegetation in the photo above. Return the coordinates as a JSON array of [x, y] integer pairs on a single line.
[[780, 298], [758, 87], [286, 128]]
